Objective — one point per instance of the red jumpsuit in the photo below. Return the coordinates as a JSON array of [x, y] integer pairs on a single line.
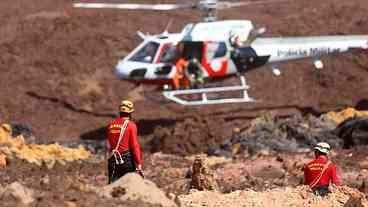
[[313, 170], [129, 140]]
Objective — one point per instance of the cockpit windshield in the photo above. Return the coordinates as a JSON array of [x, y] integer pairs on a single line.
[[146, 54]]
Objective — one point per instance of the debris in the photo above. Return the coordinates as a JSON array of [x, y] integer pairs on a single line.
[[363, 164], [26, 131], [267, 135], [353, 131], [36, 153], [299, 196], [210, 160], [94, 146], [364, 187], [134, 187], [354, 201], [2, 160], [70, 204], [45, 180], [339, 117], [202, 177]]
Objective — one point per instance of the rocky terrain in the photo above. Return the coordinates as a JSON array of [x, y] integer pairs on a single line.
[[242, 174]]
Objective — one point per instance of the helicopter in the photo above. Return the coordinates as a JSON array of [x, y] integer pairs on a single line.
[[222, 48]]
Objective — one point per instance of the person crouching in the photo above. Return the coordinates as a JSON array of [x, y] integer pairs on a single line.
[[320, 172]]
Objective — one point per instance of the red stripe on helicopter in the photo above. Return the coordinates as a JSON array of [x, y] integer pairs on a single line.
[[212, 72]]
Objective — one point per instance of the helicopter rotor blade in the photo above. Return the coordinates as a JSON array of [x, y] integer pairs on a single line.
[[157, 7], [227, 4]]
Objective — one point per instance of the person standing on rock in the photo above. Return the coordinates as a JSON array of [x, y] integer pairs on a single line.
[[320, 172], [123, 146]]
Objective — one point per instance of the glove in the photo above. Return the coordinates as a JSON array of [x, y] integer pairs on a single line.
[[140, 171]]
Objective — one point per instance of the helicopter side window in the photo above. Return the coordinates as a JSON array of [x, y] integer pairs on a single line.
[[146, 54], [216, 50], [168, 54]]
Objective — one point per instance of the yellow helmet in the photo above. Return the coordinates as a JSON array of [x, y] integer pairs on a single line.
[[126, 106]]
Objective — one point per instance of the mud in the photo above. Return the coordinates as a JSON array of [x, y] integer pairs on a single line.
[[56, 67], [77, 182]]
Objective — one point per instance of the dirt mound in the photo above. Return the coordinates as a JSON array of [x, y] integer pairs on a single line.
[[300, 196], [133, 187]]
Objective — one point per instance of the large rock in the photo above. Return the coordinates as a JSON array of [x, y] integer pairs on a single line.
[[19, 192], [133, 187]]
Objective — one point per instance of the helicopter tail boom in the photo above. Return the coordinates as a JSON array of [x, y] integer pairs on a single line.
[[293, 48]]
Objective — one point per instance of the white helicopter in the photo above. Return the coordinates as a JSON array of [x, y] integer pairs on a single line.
[[223, 49]]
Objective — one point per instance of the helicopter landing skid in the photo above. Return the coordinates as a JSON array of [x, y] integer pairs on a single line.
[[205, 100]]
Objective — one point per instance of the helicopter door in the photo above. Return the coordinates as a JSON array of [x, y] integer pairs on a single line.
[[192, 50], [166, 58], [215, 61]]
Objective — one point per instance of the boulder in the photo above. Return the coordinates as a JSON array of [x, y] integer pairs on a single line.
[[19, 192], [133, 187]]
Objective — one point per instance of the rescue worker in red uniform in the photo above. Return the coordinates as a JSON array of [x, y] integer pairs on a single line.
[[320, 172], [123, 146]]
